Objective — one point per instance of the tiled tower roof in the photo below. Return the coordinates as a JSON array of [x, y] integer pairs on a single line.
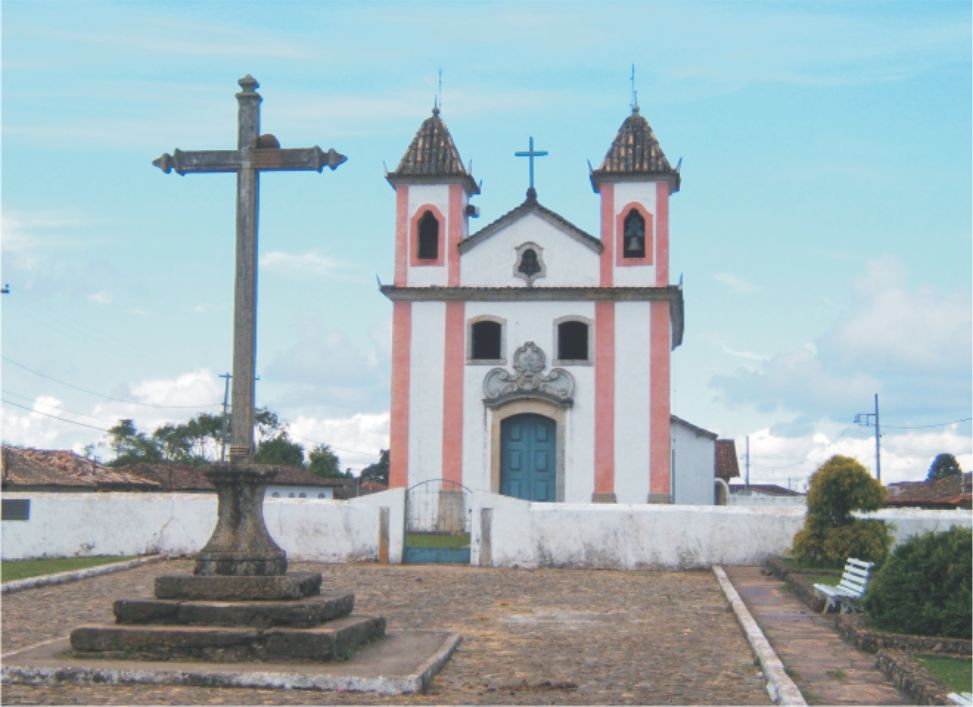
[[635, 152], [432, 157]]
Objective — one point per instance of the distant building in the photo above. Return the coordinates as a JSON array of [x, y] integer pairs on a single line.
[[950, 492]]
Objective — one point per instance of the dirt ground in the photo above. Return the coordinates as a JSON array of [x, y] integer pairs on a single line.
[[546, 636]]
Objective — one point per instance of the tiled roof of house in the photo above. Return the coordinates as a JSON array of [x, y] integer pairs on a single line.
[[635, 152], [65, 470], [765, 489], [726, 463], [950, 492], [433, 154], [173, 477]]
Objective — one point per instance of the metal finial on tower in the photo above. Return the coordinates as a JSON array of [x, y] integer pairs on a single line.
[[438, 101], [635, 94]]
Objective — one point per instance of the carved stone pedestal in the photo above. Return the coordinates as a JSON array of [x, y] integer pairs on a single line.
[[240, 544]]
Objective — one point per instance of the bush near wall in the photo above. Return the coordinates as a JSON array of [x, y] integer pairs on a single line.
[[924, 588], [831, 534]]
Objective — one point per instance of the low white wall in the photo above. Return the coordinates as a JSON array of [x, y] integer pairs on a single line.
[[67, 524], [506, 532], [509, 532]]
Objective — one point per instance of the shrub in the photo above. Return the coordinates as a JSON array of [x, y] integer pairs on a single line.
[[924, 588], [831, 534]]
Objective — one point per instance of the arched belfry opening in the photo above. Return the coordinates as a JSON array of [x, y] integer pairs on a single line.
[[633, 237], [428, 237]]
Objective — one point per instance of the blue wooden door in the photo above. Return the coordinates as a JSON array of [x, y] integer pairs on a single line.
[[528, 461]]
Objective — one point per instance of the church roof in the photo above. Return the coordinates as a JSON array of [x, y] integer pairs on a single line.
[[531, 205], [432, 157], [635, 153]]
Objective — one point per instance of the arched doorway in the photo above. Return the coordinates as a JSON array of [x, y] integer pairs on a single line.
[[528, 453]]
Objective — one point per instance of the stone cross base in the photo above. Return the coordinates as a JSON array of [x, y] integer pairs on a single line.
[[240, 544]]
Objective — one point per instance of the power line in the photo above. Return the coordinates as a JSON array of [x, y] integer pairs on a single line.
[[73, 412], [45, 414], [927, 427], [107, 397]]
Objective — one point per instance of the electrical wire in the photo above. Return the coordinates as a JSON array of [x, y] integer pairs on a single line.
[[926, 427], [45, 414], [108, 397]]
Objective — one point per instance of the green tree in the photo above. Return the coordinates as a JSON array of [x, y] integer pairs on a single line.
[[131, 446], [324, 462], [831, 533], [379, 471], [280, 450], [942, 466]]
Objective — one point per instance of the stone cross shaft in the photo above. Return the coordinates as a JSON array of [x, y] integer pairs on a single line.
[[254, 154]]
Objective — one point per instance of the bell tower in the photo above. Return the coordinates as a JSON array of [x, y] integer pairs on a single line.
[[432, 210], [635, 181]]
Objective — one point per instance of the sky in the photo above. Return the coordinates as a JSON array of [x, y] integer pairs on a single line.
[[822, 232]]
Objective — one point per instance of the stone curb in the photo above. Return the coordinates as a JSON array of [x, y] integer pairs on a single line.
[[780, 687], [44, 580]]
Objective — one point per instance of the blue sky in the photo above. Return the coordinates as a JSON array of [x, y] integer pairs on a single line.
[[822, 230]]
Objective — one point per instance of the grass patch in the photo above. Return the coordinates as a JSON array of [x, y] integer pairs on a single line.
[[448, 540], [955, 673], [831, 579], [11, 570]]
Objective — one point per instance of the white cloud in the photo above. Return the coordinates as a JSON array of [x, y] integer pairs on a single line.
[[910, 345], [357, 440], [906, 456], [310, 263], [735, 282], [100, 298], [26, 234]]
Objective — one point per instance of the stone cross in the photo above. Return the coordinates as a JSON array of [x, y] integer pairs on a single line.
[[255, 153]]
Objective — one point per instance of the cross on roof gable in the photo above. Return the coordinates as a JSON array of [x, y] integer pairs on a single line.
[[532, 206]]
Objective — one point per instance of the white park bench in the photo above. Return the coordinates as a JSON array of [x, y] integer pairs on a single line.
[[960, 698], [850, 590]]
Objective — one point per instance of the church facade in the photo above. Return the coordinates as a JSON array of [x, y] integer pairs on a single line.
[[530, 358]]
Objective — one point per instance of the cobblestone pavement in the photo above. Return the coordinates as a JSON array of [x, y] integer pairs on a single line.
[[529, 636]]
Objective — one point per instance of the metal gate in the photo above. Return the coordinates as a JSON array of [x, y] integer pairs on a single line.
[[437, 523]]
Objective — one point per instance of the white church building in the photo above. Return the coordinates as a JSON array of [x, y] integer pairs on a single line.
[[530, 358]]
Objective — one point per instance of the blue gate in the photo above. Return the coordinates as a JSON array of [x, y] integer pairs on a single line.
[[437, 523]]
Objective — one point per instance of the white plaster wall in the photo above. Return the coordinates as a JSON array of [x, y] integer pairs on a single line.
[[422, 195], [694, 466], [645, 193], [491, 262], [394, 501], [632, 403], [67, 524], [310, 492], [426, 391], [651, 535]]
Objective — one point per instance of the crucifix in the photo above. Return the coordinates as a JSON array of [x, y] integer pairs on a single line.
[[530, 154], [255, 153], [240, 544]]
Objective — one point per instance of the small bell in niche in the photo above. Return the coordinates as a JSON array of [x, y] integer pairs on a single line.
[[634, 235], [528, 263]]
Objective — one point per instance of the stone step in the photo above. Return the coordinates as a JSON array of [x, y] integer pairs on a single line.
[[293, 585], [335, 640], [299, 613]]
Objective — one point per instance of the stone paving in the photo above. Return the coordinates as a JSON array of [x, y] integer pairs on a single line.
[[825, 668], [529, 636]]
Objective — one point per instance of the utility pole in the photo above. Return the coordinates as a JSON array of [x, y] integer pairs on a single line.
[[865, 420], [747, 478], [226, 417]]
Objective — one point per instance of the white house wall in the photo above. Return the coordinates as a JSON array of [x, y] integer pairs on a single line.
[[490, 263], [694, 462], [426, 392], [632, 404]]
